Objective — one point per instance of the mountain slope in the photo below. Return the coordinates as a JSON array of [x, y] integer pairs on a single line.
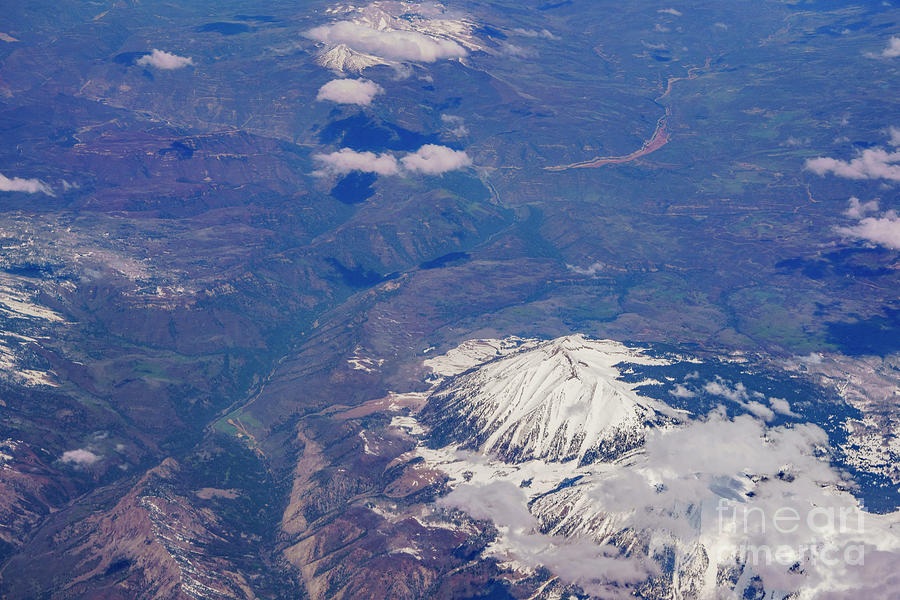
[[558, 401]]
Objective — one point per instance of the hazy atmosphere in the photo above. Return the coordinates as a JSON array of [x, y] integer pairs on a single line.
[[472, 300]]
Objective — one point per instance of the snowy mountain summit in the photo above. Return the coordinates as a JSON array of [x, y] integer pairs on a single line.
[[393, 34], [558, 400]]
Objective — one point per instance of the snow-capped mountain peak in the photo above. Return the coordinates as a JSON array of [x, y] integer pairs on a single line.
[[559, 400], [393, 33], [345, 59]]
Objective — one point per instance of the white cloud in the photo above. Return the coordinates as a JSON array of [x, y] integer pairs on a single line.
[[517, 51], [895, 136], [719, 447], [858, 210], [590, 271], [682, 391], [346, 160], [883, 230], [872, 163], [432, 159], [80, 457], [720, 388], [29, 186], [670, 11], [456, 125], [164, 60], [708, 462], [501, 501], [598, 569], [782, 406], [891, 51], [533, 33], [350, 91], [739, 395], [671, 495], [759, 409], [705, 461], [387, 43]]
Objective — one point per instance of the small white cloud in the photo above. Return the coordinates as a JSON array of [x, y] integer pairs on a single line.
[[782, 406], [895, 136], [533, 33], [760, 410], [891, 51], [346, 160], [517, 51], [80, 457], [857, 209], [387, 43], [872, 163], [456, 126], [591, 270], [740, 396], [670, 11], [721, 26], [498, 499], [682, 391], [883, 230], [796, 142], [813, 358], [721, 388], [350, 91], [29, 186], [432, 159], [164, 60]]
